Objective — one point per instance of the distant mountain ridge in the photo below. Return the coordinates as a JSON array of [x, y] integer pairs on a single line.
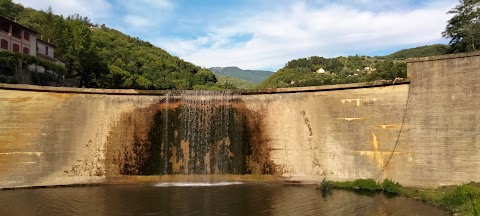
[[255, 76]]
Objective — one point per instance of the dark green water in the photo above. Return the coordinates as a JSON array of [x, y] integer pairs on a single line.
[[221, 199]]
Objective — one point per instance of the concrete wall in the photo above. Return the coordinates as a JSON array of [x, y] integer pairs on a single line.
[[429, 128], [50, 138], [338, 135], [443, 121]]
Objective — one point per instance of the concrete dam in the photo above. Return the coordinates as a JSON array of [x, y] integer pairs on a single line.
[[423, 132]]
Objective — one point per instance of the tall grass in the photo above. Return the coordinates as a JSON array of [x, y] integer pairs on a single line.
[[462, 200], [361, 184]]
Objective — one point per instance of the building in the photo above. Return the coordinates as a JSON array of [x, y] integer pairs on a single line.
[[17, 38], [322, 71], [46, 51]]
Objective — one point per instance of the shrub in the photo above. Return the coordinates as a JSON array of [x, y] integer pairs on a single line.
[[390, 186], [366, 184], [9, 61], [326, 185], [465, 199], [13, 81]]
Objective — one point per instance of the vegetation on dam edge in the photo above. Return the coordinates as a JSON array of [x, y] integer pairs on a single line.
[[458, 199]]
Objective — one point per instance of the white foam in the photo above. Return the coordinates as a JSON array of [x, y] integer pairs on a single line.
[[196, 184]]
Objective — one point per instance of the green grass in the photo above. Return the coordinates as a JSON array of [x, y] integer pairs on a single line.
[[359, 184], [461, 200]]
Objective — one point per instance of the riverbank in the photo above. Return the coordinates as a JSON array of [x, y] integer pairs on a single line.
[[457, 199]]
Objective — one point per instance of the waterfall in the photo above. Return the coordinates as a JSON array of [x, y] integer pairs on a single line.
[[200, 132]]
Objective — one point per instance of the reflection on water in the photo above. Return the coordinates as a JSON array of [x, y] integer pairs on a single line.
[[196, 199], [196, 184]]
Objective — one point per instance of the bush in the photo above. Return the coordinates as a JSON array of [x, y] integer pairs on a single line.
[[465, 199], [9, 61], [3, 79], [390, 186], [366, 184], [13, 81], [326, 185]]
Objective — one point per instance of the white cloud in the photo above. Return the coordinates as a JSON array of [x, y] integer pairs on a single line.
[[161, 4], [93, 9], [137, 21], [143, 13], [299, 30]]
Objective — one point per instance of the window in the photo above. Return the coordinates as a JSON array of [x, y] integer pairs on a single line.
[[4, 26], [16, 48], [17, 32], [46, 50], [26, 35], [4, 44], [26, 51]]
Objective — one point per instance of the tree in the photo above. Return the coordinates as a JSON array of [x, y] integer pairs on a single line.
[[104, 57], [463, 28], [9, 9], [80, 54]]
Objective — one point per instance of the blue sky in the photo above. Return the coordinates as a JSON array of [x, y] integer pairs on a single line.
[[265, 34]]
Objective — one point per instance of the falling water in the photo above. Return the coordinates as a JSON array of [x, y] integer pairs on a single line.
[[199, 132]]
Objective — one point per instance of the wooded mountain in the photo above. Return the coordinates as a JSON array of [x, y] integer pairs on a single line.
[[238, 83], [422, 51], [101, 57], [255, 76], [315, 70]]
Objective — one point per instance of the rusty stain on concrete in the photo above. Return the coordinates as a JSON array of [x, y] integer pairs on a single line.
[[307, 122], [185, 145], [176, 163], [207, 163]]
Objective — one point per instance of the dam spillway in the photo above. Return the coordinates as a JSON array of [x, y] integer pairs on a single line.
[[424, 133], [187, 132]]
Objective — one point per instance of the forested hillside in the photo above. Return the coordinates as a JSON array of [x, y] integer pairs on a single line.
[[235, 82], [97, 56], [315, 71], [431, 50], [255, 76]]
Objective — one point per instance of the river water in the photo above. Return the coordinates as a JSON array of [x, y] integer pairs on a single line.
[[204, 199]]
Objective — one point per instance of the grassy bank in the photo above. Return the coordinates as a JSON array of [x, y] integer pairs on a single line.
[[461, 200]]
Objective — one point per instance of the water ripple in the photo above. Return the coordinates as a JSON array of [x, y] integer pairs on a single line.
[[197, 184]]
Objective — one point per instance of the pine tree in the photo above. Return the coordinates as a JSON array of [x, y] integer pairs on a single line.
[[463, 28]]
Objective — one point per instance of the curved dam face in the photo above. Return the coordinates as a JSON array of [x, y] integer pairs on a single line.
[[424, 133], [189, 132]]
